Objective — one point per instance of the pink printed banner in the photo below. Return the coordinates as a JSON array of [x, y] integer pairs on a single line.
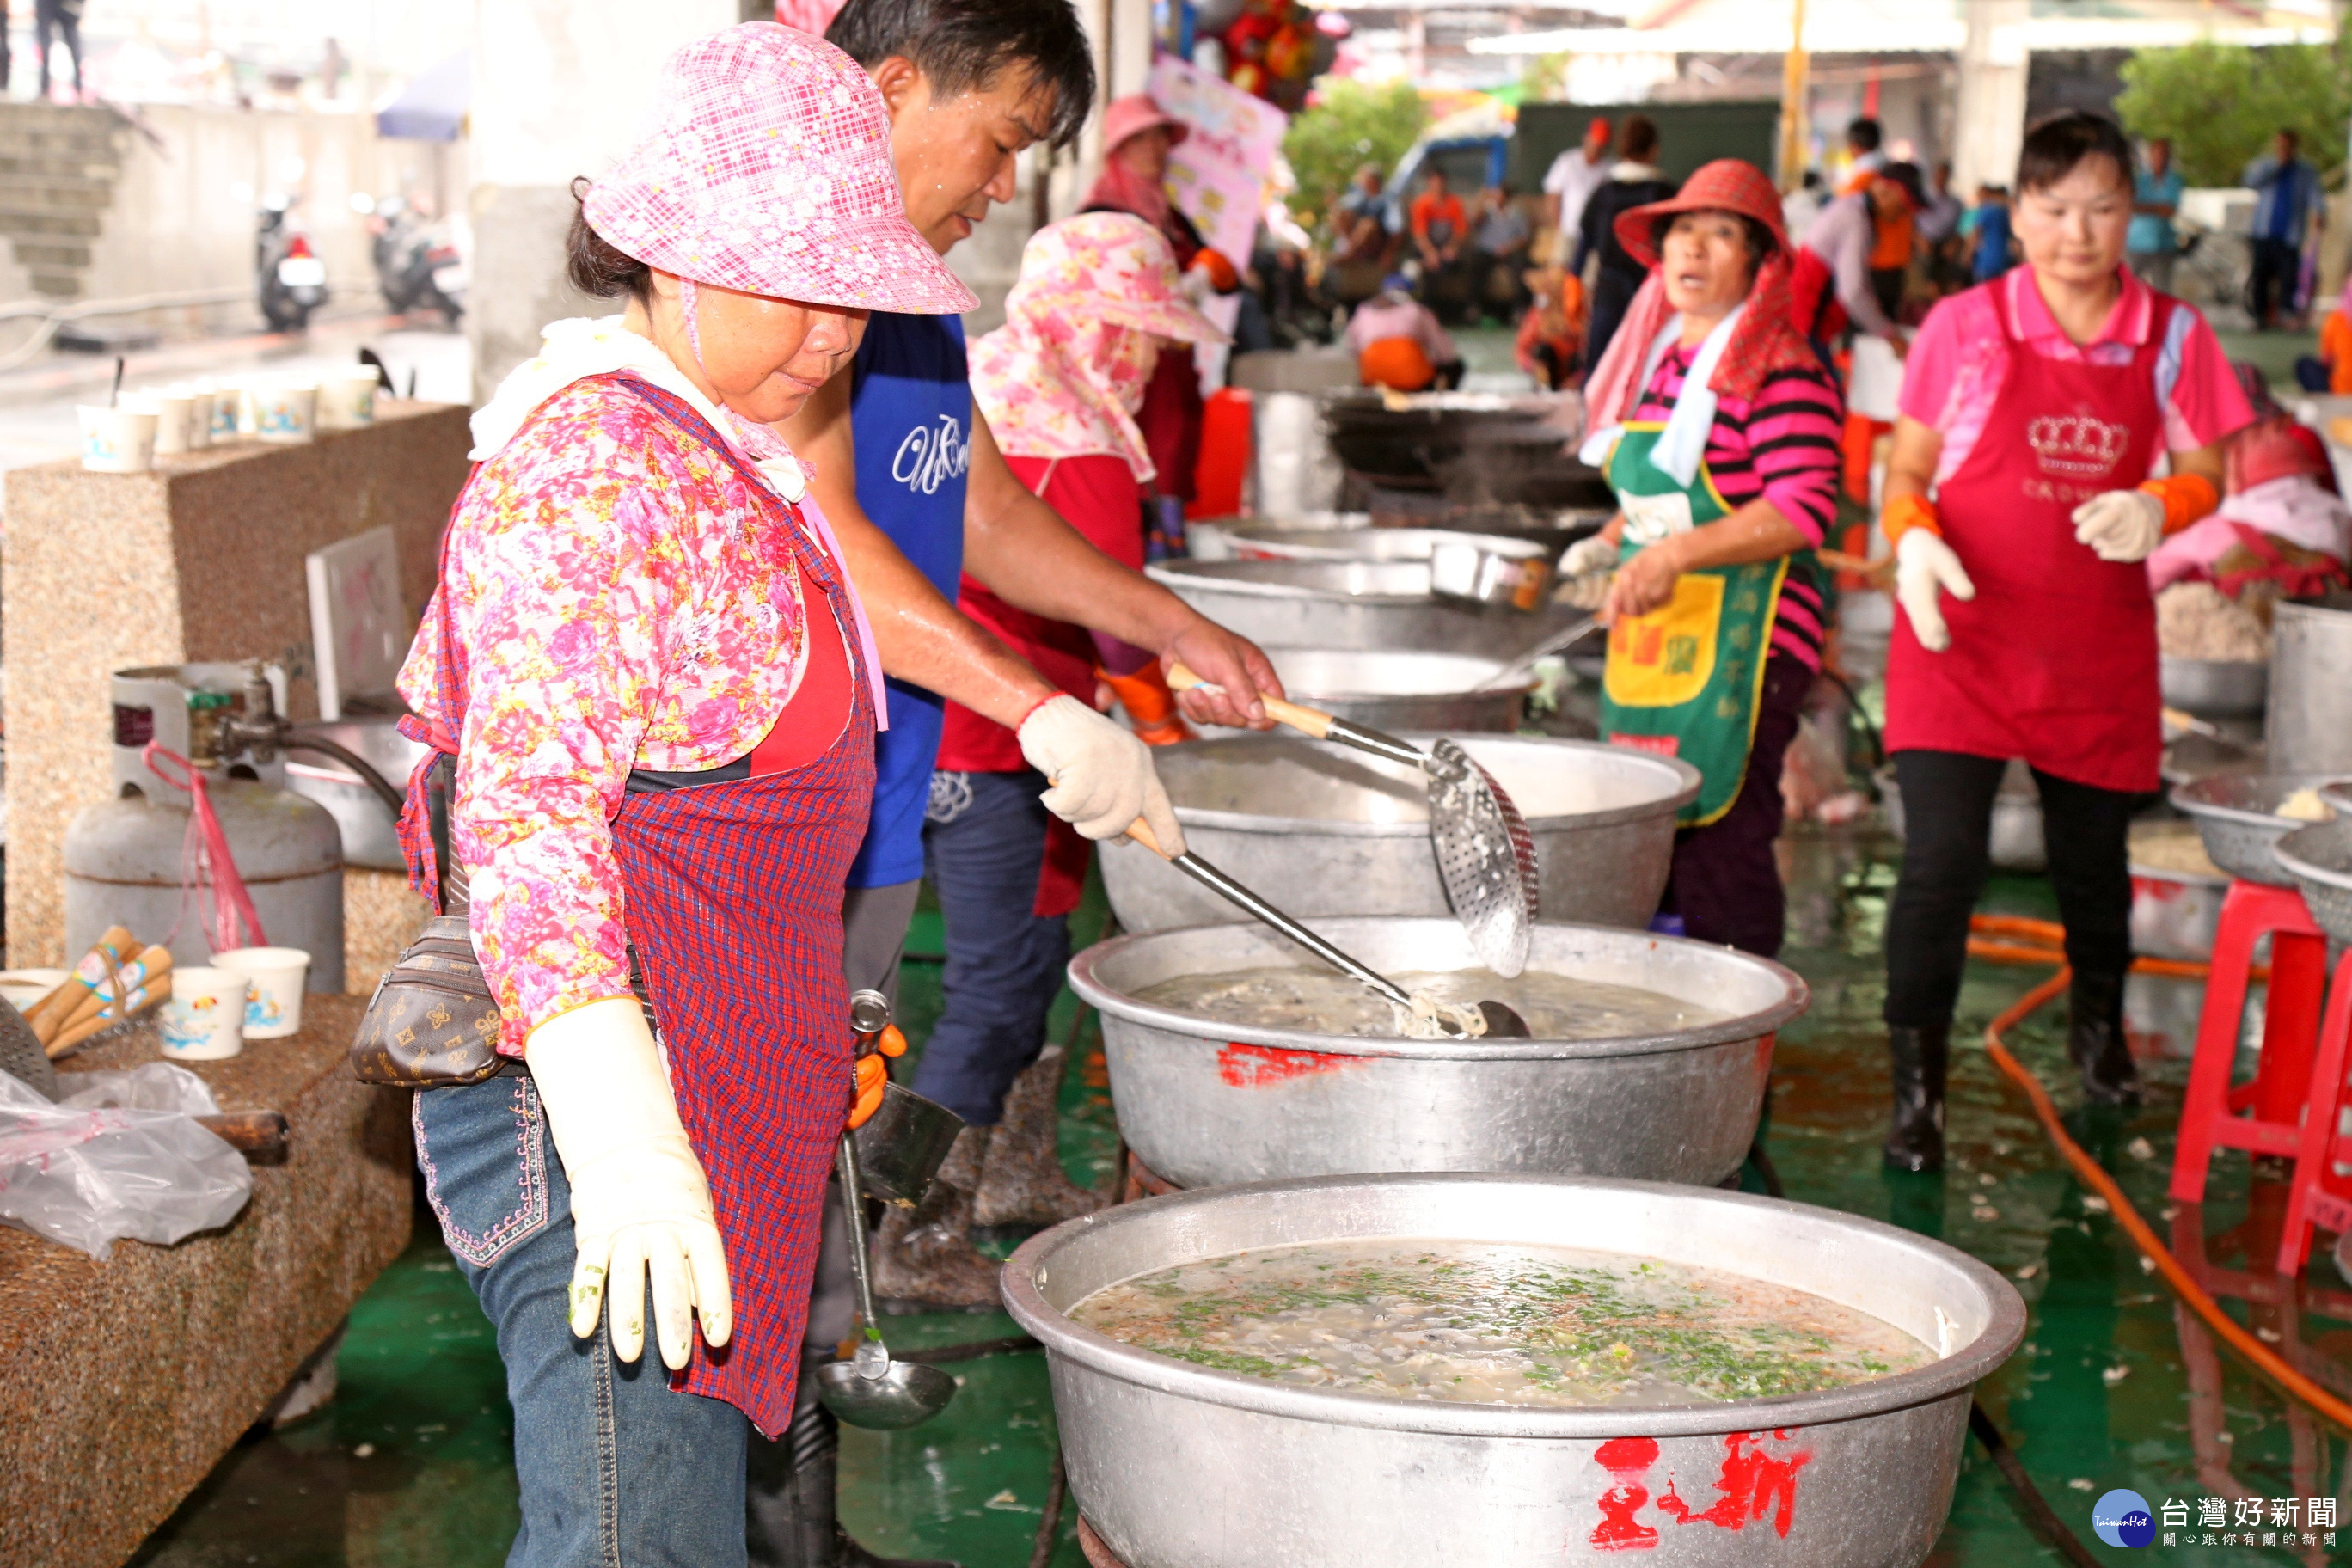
[[1217, 175]]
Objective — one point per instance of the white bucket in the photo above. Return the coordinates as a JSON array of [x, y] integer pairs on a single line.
[[117, 441], [273, 1006], [203, 1019]]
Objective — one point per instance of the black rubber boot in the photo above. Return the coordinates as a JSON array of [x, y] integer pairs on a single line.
[[802, 1532], [2095, 1040], [1915, 1138]]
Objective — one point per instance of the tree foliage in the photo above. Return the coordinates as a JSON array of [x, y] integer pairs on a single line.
[[1349, 124], [2220, 104]]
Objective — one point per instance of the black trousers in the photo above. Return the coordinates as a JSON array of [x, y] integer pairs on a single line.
[[1947, 799], [1725, 881], [2278, 272]]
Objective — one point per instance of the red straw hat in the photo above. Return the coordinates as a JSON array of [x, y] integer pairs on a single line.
[[1727, 185], [1132, 116], [768, 170]]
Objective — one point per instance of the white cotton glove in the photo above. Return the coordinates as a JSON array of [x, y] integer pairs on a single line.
[[2121, 525], [1102, 776], [1587, 556], [1923, 566], [639, 1202]]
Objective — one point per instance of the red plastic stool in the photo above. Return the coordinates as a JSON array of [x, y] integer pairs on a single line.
[[2317, 1195], [2211, 1117]]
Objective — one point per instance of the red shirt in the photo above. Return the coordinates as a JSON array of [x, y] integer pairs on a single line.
[[1098, 495], [1428, 211]]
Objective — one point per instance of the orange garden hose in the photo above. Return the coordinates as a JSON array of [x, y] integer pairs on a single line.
[[2046, 934]]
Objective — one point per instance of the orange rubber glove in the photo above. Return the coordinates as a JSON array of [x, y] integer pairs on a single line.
[[1149, 702], [2187, 498], [873, 1079], [1219, 267], [1902, 513]]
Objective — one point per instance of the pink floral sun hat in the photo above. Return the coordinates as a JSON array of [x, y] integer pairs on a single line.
[[767, 169], [1113, 266]]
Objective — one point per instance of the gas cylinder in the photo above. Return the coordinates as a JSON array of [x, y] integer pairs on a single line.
[[124, 856]]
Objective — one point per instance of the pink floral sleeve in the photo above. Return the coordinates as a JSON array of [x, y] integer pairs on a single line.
[[620, 598]]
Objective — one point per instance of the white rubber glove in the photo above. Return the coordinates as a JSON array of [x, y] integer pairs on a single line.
[[1587, 556], [1102, 776], [2121, 525], [1923, 566], [639, 1202]]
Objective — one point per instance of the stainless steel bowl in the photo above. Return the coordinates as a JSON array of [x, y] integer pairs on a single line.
[[1204, 1102], [1179, 1465], [2318, 857], [1395, 692], [1220, 538], [1323, 830], [370, 830], [1367, 604], [2237, 815], [2215, 687]]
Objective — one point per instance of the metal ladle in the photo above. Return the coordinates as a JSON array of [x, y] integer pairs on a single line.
[[1520, 669], [1502, 1021], [871, 1389], [1486, 856]]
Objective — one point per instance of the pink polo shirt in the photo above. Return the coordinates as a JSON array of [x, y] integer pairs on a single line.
[[1955, 368]]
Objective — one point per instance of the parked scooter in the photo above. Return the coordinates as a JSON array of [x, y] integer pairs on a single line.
[[292, 279], [418, 264]]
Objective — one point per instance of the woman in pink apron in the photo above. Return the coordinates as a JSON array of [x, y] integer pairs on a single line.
[[2034, 409], [660, 694]]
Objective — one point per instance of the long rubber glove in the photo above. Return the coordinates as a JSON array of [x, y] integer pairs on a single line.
[[639, 1203], [1102, 776], [1925, 565], [1150, 703]]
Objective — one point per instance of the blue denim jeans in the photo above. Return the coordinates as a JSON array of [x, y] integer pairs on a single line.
[[983, 848], [615, 1468]]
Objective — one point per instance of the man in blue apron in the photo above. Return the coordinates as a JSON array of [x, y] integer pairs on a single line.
[[916, 492]]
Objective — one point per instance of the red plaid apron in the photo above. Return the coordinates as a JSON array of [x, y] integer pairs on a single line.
[[733, 896]]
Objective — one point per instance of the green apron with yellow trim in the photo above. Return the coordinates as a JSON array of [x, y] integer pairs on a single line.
[[1685, 680]]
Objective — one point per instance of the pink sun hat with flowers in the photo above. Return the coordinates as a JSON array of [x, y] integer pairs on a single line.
[[767, 169], [1112, 267]]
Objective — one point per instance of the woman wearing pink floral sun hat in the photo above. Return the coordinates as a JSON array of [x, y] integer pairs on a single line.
[[651, 696]]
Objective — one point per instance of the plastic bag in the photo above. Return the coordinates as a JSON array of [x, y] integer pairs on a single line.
[[119, 1156]]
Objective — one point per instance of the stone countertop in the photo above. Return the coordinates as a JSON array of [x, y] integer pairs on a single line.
[[129, 1380]]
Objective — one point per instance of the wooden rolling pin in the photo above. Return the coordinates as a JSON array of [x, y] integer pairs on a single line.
[[250, 1132]]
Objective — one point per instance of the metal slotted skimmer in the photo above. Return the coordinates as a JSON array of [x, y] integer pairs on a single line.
[[1486, 856]]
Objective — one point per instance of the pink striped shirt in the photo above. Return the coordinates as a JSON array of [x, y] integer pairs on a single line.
[[1781, 446]]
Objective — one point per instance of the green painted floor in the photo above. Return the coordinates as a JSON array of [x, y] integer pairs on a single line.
[[408, 1467]]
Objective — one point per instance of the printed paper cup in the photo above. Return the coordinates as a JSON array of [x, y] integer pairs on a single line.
[[201, 415], [347, 401], [229, 399], [119, 440], [173, 412], [203, 1020], [284, 412], [273, 1006]]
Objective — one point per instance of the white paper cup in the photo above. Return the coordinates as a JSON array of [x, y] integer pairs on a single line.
[[200, 413], [227, 399], [284, 412], [120, 440], [175, 412], [347, 401], [273, 1006], [203, 1020]]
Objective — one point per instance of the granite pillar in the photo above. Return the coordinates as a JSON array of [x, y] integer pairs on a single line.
[[200, 559]]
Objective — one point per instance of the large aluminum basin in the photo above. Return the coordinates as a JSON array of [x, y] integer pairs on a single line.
[[1178, 1466], [1204, 1102], [1402, 690], [1323, 830], [1366, 605]]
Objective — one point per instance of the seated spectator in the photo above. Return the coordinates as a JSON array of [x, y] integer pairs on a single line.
[[1551, 334], [1499, 248], [1398, 342]]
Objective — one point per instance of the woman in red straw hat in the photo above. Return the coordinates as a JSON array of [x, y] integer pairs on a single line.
[[651, 696], [1717, 426]]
